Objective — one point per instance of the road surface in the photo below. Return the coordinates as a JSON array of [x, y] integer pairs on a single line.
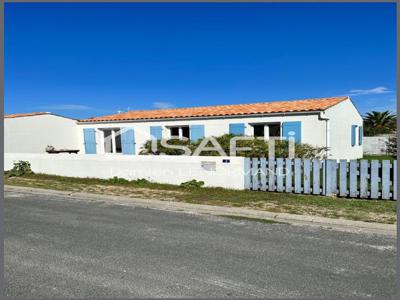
[[62, 247]]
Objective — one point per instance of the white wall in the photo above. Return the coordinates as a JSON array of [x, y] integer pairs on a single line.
[[161, 169], [32, 134], [376, 144], [341, 117], [313, 129]]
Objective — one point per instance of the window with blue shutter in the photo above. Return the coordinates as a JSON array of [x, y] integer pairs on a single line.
[[292, 130], [360, 135], [128, 141], [156, 132], [236, 128], [353, 135], [196, 132], [89, 137]]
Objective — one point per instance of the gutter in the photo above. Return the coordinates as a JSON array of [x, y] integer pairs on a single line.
[[323, 117], [202, 117]]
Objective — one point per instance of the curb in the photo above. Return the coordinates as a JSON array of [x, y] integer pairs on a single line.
[[181, 207]]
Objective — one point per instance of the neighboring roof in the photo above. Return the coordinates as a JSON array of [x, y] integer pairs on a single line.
[[304, 105], [25, 114], [31, 114]]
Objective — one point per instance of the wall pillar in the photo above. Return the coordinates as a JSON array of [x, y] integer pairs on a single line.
[[266, 132], [114, 146]]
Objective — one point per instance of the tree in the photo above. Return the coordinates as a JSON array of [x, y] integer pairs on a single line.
[[376, 122]]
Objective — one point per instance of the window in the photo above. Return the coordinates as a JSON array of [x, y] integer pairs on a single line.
[[180, 131], [118, 145], [174, 131], [108, 142], [111, 137], [259, 130], [186, 132], [274, 130], [267, 130]]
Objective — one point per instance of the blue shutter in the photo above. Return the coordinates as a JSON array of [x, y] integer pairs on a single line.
[[128, 140], [353, 135], [196, 132], [236, 128], [89, 136], [360, 135], [292, 129], [156, 132]]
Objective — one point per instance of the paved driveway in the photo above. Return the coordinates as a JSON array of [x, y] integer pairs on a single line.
[[59, 247]]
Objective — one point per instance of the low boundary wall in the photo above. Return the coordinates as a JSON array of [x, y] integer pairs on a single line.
[[215, 171]]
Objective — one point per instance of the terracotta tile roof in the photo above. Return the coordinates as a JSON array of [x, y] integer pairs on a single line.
[[304, 105], [25, 114]]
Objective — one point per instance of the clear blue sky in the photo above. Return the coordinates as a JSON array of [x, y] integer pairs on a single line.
[[84, 60]]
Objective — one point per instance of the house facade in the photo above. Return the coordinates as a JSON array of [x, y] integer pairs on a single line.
[[333, 122], [32, 132]]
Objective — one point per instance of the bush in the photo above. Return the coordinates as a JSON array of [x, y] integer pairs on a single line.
[[118, 180], [141, 181], [192, 184], [20, 168], [391, 145], [259, 148]]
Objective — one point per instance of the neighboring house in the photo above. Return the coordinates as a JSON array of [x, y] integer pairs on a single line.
[[32, 132], [330, 122]]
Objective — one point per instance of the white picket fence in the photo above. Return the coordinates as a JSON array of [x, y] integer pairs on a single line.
[[356, 179]]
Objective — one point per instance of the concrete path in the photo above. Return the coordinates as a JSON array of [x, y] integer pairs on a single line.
[[63, 246]]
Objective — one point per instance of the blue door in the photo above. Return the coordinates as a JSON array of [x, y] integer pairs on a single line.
[[196, 132], [89, 137], [128, 141], [292, 129], [156, 132], [236, 128]]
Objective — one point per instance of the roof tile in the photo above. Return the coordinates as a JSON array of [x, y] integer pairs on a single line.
[[304, 105]]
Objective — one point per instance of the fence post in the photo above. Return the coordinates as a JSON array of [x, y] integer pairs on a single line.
[[306, 175], [297, 175], [353, 178], [385, 179], [271, 174], [288, 184], [279, 173], [330, 177], [394, 180], [343, 178], [263, 173], [375, 179], [316, 190], [364, 178], [247, 173], [254, 173]]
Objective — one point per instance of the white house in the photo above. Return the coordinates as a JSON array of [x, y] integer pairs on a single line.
[[32, 132], [333, 122]]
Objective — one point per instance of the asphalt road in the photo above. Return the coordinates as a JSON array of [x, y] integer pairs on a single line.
[[60, 247]]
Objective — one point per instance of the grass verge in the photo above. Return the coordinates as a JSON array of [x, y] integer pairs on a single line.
[[353, 209], [240, 218]]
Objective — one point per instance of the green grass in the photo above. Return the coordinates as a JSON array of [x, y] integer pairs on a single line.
[[379, 157], [240, 218], [353, 209]]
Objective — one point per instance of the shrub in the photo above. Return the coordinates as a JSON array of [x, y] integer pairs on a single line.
[[391, 145], [192, 184], [118, 180], [20, 168], [141, 181], [258, 148]]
